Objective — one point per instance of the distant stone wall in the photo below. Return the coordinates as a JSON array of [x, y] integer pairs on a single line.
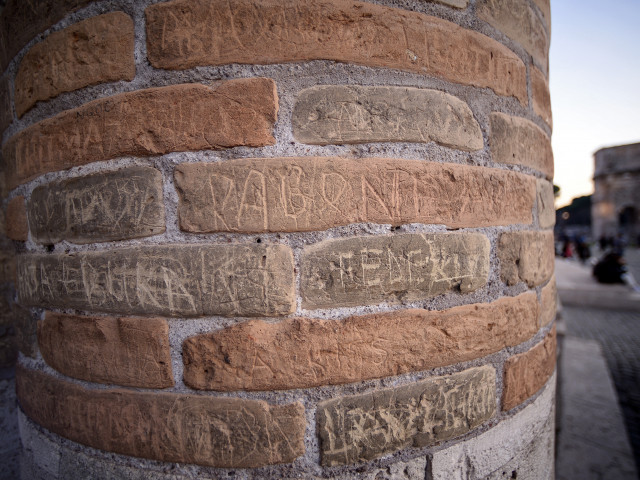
[[615, 205], [280, 239]]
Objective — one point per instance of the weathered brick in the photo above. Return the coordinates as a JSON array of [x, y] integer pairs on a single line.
[[7, 264], [16, 218], [213, 431], [22, 20], [154, 121], [188, 33], [518, 141], [526, 257], [394, 269], [6, 113], [526, 373], [363, 427], [517, 20], [303, 352], [175, 280], [546, 204], [540, 96], [101, 207], [306, 194], [96, 50], [337, 114], [132, 352], [545, 8], [26, 330], [549, 302]]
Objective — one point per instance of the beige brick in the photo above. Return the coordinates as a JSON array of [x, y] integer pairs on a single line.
[[212, 431], [394, 269], [16, 218], [339, 30], [22, 20], [540, 97], [105, 206], [96, 50], [6, 112], [528, 372], [526, 257], [147, 122], [546, 204], [303, 352], [133, 352], [338, 114], [549, 302], [175, 280], [518, 141], [517, 20], [367, 426], [314, 193]]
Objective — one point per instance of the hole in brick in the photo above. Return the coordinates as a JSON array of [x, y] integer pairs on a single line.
[[259, 240], [49, 248], [514, 474]]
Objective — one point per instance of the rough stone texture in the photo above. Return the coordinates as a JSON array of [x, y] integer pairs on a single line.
[[316, 193], [10, 446], [529, 452], [220, 432], [184, 34], [546, 204], [545, 8], [526, 257], [518, 141], [454, 3], [22, 20], [97, 50], [410, 470], [133, 352], [398, 268], [303, 353], [517, 20], [540, 96], [154, 121], [175, 280], [526, 373], [549, 302], [338, 114], [16, 219], [107, 206], [7, 265], [6, 114], [367, 426]]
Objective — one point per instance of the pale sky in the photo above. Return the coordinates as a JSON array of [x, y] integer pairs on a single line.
[[595, 85]]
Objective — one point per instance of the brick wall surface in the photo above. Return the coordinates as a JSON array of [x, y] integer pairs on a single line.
[[278, 239]]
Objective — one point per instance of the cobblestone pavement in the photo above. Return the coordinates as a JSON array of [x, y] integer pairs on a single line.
[[619, 334]]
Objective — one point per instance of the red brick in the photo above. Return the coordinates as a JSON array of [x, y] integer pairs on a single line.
[[16, 218], [188, 33]]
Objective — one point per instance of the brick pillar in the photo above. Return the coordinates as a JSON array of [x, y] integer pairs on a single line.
[[282, 238]]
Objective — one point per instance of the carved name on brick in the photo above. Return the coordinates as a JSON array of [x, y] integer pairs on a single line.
[[306, 194], [174, 280], [363, 427], [97, 208], [398, 268]]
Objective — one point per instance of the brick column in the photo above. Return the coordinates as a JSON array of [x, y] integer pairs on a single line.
[[281, 238]]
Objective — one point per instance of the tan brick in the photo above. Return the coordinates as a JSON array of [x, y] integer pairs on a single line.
[[546, 204], [540, 97], [398, 268], [16, 218], [213, 431], [526, 257], [133, 352], [22, 20], [526, 373], [175, 280], [545, 8], [338, 114], [96, 50], [6, 113], [303, 352], [147, 122], [314, 193], [340, 30], [549, 302], [517, 20], [517, 141], [105, 206], [364, 427]]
